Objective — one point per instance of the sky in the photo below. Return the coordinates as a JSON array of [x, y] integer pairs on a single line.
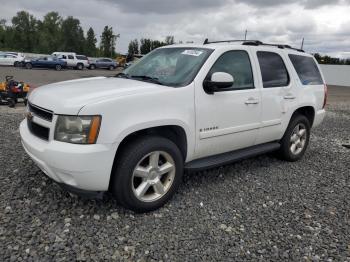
[[325, 24]]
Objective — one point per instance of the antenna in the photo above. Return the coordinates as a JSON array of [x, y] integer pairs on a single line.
[[245, 35], [302, 44]]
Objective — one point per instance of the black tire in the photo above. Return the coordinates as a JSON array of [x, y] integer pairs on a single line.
[[80, 66], [16, 64], [58, 67], [285, 151], [122, 182], [92, 67], [11, 103], [111, 68], [29, 66]]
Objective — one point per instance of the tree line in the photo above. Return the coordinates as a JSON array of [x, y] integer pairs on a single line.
[[54, 33], [146, 45], [331, 60]]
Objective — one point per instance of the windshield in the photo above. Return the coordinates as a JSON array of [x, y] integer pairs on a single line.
[[169, 66]]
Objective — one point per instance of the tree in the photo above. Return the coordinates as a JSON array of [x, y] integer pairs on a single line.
[[49, 33], [72, 36], [90, 44], [108, 40], [146, 46], [133, 47], [24, 32], [2, 33], [157, 43], [169, 40]]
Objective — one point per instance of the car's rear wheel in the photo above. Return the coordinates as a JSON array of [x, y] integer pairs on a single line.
[[29, 66], [80, 66], [16, 64], [111, 67], [148, 173], [58, 67], [92, 67], [296, 139]]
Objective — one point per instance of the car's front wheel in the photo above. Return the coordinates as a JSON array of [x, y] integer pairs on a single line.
[[58, 67], [111, 67], [295, 139], [148, 173]]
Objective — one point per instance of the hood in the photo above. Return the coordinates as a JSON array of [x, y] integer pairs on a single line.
[[70, 96]]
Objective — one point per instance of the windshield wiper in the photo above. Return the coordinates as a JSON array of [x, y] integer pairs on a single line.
[[123, 75], [154, 80]]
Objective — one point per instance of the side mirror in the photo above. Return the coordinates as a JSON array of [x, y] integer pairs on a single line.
[[217, 82]]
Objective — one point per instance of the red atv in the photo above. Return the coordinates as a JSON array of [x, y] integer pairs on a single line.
[[11, 91]]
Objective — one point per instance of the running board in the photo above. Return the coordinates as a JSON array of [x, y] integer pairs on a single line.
[[230, 157]]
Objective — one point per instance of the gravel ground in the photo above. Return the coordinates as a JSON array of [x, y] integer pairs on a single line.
[[257, 209]]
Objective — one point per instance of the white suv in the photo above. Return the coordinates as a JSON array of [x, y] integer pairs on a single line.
[[181, 107]]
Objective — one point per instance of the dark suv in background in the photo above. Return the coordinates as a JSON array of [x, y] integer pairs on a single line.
[[105, 63]]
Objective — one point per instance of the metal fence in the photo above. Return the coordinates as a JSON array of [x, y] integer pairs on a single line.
[[338, 75]]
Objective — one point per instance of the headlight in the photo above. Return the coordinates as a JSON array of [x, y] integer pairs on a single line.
[[77, 129]]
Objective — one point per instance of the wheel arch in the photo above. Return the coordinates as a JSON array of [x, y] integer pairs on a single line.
[[307, 111], [80, 63], [175, 133]]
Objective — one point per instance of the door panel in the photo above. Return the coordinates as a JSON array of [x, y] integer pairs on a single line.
[[277, 95], [228, 120]]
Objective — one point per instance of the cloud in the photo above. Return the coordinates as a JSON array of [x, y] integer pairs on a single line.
[[166, 7], [324, 24]]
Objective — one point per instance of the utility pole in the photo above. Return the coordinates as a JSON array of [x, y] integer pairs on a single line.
[[245, 35]]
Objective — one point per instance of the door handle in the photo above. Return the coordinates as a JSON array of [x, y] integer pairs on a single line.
[[289, 96], [252, 101]]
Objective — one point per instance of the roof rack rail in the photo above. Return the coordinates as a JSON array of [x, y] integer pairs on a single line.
[[206, 41], [282, 47], [253, 43]]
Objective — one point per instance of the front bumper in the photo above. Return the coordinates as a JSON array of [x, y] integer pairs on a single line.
[[80, 167]]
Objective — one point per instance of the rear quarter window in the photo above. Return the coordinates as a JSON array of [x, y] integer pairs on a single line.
[[306, 69]]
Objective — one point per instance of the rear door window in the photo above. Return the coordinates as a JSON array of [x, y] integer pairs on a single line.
[[273, 70], [306, 69], [70, 57]]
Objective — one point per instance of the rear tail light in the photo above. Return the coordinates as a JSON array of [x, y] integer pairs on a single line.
[[325, 96]]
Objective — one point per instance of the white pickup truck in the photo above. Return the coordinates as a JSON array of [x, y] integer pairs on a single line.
[[182, 107], [73, 60]]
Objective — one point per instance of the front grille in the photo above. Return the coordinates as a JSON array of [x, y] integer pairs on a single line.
[[38, 130], [40, 112]]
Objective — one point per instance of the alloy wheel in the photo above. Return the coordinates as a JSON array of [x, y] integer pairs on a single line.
[[153, 176], [298, 139]]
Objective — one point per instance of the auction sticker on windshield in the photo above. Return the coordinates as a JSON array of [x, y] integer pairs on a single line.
[[192, 52]]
